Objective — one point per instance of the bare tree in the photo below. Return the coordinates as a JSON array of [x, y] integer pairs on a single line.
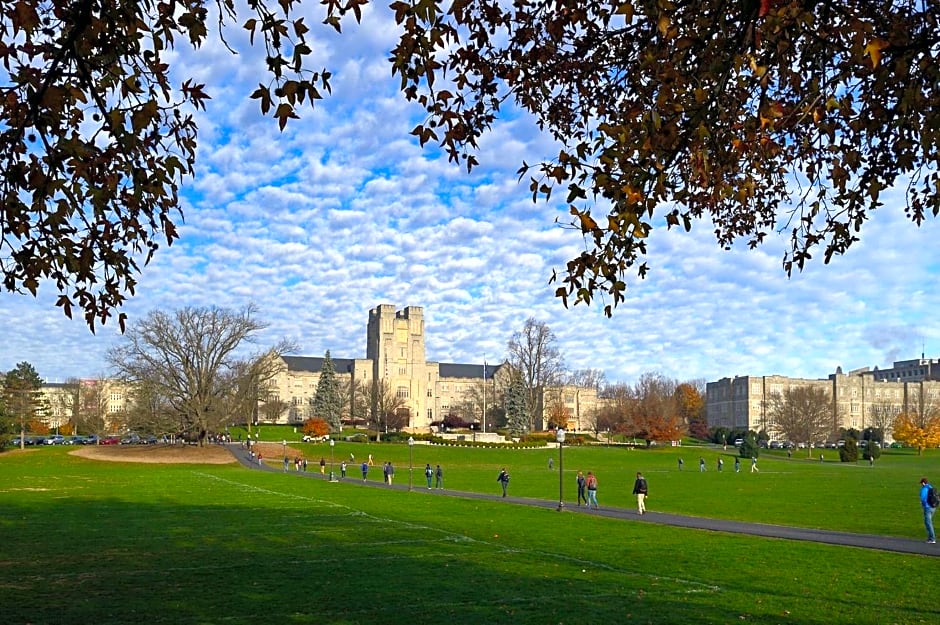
[[93, 407], [148, 410], [615, 409], [588, 378], [556, 412], [189, 359], [533, 354], [881, 416], [381, 404], [803, 414]]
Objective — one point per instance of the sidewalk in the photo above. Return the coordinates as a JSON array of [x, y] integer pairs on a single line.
[[863, 541]]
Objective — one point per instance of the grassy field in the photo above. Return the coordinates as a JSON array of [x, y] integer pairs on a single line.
[[94, 542]]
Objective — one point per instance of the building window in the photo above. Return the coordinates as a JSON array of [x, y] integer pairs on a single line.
[[430, 415], [402, 392], [430, 393]]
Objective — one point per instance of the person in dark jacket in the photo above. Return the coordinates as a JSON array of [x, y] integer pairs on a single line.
[[503, 479], [640, 489], [582, 495]]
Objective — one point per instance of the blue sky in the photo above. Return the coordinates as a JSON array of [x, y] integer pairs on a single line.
[[343, 211]]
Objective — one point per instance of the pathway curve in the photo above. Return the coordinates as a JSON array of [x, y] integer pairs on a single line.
[[864, 541]]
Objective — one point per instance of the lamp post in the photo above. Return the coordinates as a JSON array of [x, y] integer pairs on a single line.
[[411, 455], [560, 437], [332, 474]]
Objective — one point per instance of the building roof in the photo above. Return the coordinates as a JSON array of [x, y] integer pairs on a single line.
[[314, 364], [453, 370]]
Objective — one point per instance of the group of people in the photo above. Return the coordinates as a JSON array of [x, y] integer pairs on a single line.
[[437, 473], [721, 465]]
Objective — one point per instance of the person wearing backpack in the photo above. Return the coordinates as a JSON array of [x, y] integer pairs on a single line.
[[929, 502], [641, 490]]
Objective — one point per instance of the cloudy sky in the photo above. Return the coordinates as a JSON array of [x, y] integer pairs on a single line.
[[343, 211]]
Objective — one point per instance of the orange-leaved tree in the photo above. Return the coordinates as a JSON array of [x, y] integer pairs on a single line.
[[316, 427], [918, 431]]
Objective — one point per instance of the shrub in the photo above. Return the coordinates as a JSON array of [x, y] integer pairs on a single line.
[[871, 449], [849, 451], [749, 447]]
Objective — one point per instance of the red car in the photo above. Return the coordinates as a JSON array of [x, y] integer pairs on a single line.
[[110, 440]]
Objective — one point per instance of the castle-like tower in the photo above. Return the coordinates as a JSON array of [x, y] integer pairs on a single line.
[[395, 345]]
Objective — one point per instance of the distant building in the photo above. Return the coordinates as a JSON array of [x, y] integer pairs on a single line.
[[395, 354], [861, 398]]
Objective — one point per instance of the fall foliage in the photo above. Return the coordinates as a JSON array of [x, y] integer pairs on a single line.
[[918, 431], [751, 118]]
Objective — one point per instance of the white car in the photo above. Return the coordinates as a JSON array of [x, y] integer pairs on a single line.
[[55, 439]]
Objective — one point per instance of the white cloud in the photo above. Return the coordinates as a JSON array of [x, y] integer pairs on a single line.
[[344, 211]]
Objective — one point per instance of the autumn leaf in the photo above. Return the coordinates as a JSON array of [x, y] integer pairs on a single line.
[[873, 50]]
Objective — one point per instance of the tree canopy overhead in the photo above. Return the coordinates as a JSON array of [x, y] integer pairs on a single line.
[[95, 139], [753, 116]]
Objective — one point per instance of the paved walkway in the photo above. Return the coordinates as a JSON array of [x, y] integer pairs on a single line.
[[864, 541]]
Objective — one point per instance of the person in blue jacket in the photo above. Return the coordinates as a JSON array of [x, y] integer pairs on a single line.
[[928, 510]]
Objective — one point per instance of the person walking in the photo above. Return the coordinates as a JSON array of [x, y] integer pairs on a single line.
[[503, 479], [391, 472], [551, 463], [428, 473], [640, 489], [322, 466], [286, 464], [754, 468], [737, 465], [582, 488], [721, 464], [365, 471], [342, 469], [701, 465], [680, 464], [591, 483], [929, 508], [439, 476]]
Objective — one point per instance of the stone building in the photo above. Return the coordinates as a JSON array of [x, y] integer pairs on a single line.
[[396, 355], [861, 398]]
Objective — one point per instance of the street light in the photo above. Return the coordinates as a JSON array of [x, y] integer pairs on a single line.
[[560, 437], [332, 474], [411, 455]]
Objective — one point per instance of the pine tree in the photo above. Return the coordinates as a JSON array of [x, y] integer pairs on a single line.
[[517, 417], [327, 403]]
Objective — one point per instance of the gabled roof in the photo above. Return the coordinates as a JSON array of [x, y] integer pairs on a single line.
[[454, 370], [313, 364]]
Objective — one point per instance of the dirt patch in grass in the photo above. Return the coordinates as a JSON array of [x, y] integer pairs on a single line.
[[157, 454]]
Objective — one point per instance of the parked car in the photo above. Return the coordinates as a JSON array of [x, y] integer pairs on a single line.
[[75, 440], [91, 439], [148, 440], [110, 440], [130, 439]]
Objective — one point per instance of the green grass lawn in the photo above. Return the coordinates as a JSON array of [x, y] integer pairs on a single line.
[[95, 542]]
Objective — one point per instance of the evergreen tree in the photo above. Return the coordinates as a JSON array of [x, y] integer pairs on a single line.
[[22, 398], [517, 416], [327, 403]]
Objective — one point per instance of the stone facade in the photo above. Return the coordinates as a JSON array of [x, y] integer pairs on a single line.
[[395, 353], [861, 398]]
